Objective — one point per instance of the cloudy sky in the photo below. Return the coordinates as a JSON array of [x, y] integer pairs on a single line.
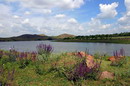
[[54, 17]]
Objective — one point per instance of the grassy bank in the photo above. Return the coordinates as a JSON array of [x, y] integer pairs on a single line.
[[45, 69]]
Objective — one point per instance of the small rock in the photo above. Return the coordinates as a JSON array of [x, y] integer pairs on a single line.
[[83, 53], [112, 58], [90, 61], [107, 75]]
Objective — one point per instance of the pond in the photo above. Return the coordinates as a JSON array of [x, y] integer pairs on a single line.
[[59, 47]]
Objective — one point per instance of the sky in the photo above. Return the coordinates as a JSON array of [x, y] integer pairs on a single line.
[[54, 17]]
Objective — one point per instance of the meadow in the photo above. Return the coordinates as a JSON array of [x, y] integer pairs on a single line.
[[44, 68]]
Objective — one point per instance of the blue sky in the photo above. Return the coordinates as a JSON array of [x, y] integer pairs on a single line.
[[54, 17]]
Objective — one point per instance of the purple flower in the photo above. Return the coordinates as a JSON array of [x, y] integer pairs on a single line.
[[118, 54], [44, 49]]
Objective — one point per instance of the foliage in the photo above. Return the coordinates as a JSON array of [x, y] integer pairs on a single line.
[[100, 36], [23, 63], [6, 76], [75, 68], [39, 69], [120, 58], [44, 51], [83, 71], [60, 70]]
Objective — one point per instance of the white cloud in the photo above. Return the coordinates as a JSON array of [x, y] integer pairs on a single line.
[[54, 26], [124, 21], [48, 4], [1, 25], [25, 21], [11, 24], [5, 10], [38, 16], [106, 26], [108, 10], [72, 20], [127, 4], [16, 17], [60, 16], [41, 11], [95, 26], [27, 13], [50, 25]]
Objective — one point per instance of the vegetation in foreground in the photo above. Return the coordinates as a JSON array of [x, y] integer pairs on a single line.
[[42, 68]]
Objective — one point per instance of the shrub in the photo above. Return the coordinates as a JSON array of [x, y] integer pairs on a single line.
[[13, 54], [6, 76], [39, 70], [83, 71], [8, 56], [25, 58], [120, 58], [1, 54], [75, 68], [44, 51], [23, 63]]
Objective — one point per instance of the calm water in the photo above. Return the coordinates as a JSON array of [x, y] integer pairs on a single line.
[[67, 46]]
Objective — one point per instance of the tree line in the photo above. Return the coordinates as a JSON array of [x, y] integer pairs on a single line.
[[98, 37]]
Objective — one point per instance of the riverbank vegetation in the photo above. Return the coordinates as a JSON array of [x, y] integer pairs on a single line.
[[103, 38], [43, 68]]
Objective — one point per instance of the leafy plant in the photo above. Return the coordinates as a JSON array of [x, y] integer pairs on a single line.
[[6, 76], [23, 63], [120, 58], [1, 54], [83, 71], [39, 69], [76, 69], [44, 51], [13, 54]]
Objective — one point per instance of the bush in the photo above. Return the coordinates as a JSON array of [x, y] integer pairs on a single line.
[[120, 58], [1, 54], [6, 76], [44, 51], [39, 69], [13, 54], [8, 56], [82, 70], [74, 68], [24, 63]]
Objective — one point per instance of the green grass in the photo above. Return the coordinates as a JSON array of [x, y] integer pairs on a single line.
[[28, 76], [121, 37]]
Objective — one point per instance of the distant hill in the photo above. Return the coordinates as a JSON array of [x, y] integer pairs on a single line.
[[42, 35], [35, 37], [65, 36], [27, 37]]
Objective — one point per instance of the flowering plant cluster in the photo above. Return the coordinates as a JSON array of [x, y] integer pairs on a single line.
[[119, 58], [44, 49]]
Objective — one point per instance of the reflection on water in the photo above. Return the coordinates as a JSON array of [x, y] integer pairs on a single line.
[[67, 46]]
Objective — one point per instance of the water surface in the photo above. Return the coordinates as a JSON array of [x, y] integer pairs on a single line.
[[67, 46]]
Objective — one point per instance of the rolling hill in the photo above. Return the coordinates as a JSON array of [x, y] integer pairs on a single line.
[[65, 36], [27, 37]]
